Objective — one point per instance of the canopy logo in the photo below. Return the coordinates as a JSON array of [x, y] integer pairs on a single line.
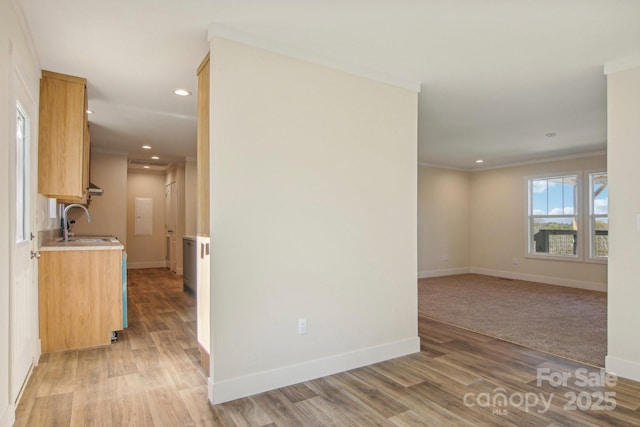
[[499, 400]]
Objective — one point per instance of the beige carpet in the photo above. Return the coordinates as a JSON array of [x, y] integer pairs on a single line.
[[566, 322]]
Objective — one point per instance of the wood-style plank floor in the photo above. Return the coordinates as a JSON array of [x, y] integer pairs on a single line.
[[151, 377]]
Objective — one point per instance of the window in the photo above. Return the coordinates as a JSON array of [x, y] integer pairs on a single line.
[[598, 215], [22, 170], [553, 216]]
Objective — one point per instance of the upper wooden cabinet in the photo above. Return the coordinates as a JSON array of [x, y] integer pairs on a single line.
[[203, 147], [64, 143]]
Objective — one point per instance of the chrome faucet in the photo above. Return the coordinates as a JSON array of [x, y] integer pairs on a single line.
[[65, 226]]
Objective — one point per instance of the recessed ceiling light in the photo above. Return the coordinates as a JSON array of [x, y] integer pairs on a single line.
[[89, 111], [146, 167], [182, 92], [155, 158], [479, 161], [551, 134], [146, 147]]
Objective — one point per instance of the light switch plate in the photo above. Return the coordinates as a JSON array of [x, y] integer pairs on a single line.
[[638, 222]]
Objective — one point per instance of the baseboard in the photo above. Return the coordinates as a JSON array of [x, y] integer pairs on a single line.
[[622, 368], [205, 360], [439, 273], [147, 264], [38, 353], [8, 418], [210, 390], [591, 286], [235, 388]]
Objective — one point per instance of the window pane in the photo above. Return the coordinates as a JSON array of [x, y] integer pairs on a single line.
[[21, 175], [601, 238], [556, 236], [599, 210], [569, 199], [539, 196]]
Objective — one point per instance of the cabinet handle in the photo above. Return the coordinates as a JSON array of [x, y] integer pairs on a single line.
[[35, 254]]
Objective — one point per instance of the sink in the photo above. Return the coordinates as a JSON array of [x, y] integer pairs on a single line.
[[87, 240], [92, 239]]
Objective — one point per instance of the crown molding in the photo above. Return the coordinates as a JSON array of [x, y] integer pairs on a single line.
[[543, 160], [516, 164], [437, 166], [229, 33]]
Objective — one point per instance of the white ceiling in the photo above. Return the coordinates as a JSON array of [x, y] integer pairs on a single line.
[[496, 75]]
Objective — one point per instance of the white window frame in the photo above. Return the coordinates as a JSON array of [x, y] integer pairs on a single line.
[[23, 183], [578, 210], [590, 250]]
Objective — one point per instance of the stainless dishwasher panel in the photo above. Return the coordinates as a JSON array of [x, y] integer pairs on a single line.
[[189, 259], [125, 317]]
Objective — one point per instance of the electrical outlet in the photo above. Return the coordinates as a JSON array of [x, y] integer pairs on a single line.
[[302, 326], [516, 261]]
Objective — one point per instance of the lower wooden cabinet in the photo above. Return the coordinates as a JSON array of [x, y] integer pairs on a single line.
[[80, 298]]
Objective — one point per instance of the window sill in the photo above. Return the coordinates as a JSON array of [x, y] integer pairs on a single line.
[[570, 258], [603, 261]]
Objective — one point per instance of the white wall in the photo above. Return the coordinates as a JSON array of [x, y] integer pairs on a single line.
[[108, 211], [498, 227], [15, 51], [146, 251], [313, 215], [623, 99], [443, 221]]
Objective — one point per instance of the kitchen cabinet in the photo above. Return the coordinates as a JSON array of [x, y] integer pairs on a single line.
[[64, 138], [202, 223], [203, 147], [80, 297]]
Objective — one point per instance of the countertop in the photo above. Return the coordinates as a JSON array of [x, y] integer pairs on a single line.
[[84, 243]]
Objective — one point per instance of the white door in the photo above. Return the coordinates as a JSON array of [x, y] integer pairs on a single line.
[[171, 223], [23, 286], [174, 227]]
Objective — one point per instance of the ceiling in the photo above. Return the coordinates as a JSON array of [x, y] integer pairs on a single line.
[[496, 76]]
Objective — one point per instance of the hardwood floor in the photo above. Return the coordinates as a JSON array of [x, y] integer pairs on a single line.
[[152, 377]]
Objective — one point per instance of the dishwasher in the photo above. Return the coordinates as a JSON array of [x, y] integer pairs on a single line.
[[189, 259]]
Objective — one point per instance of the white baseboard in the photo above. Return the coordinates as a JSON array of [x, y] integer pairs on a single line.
[[622, 368], [591, 286], [210, 390], [235, 388], [147, 264], [8, 418], [440, 273], [38, 353]]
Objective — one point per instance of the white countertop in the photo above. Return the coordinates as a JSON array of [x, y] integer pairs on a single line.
[[84, 243]]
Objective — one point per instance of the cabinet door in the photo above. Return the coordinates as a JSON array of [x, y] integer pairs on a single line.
[[63, 147], [80, 298], [203, 148]]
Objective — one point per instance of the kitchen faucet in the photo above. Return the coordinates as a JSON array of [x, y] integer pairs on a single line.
[[65, 226]]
